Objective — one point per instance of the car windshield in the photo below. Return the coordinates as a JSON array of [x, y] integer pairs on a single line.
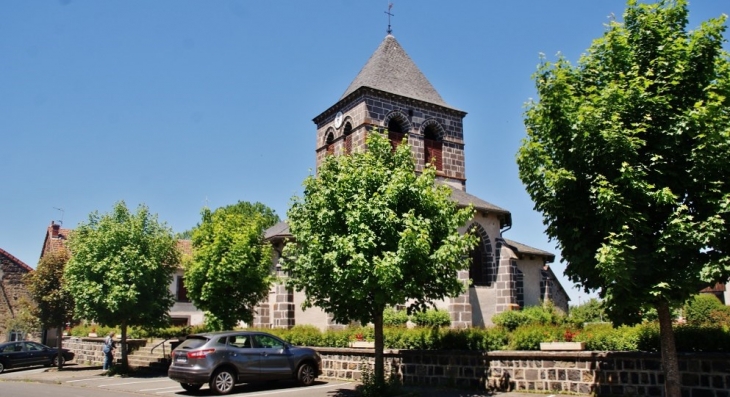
[[193, 342]]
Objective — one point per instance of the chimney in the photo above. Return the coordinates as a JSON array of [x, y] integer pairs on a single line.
[[54, 229]]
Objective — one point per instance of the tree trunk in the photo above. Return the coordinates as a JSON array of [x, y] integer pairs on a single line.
[[125, 366], [672, 385], [379, 347], [59, 345]]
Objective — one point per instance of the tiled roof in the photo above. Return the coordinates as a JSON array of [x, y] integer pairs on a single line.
[[55, 244], [185, 247], [391, 70], [463, 199], [15, 260], [527, 250], [280, 230]]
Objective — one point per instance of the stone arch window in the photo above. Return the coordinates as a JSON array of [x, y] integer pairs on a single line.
[[347, 132], [398, 126], [482, 271], [433, 134], [330, 143]]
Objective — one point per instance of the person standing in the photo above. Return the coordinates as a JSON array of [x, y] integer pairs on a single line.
[[109, 346]]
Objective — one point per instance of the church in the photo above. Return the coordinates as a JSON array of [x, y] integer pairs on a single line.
[[391, 93]]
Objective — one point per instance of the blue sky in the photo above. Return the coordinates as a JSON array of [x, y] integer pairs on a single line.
[[179, 104]]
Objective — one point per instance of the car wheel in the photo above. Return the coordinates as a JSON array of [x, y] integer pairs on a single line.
[[55, 361], [2, 367], [191, 386], [306, 374], [222, 382]]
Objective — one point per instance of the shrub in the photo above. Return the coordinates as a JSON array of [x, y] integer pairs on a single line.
[[528, 337], [394, 318], [591, 311], [304, 335], [704, 309], [544, 315], [432, 318], [510, 320], [604, 337]]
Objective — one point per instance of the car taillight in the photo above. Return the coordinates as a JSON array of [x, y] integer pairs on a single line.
[[200, 353]]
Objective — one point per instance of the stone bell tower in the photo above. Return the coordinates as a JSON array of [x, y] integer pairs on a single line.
[[390, 92]]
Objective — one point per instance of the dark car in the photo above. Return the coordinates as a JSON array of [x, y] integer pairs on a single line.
[[24, 354], [223, 359]]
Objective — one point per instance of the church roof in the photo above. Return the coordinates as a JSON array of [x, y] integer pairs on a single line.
[[527, 250], [279, 230], [391, 70], [463, 199]]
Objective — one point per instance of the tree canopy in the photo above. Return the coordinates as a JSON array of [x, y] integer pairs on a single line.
[[231, 260], [626, 158], [121, 268], [54, 305], [370, 233]]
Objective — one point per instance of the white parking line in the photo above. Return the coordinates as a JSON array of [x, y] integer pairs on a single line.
[[160, 388], [132, 383], [82, 380]]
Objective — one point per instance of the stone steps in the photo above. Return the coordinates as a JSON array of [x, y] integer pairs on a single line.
[[146, 358]]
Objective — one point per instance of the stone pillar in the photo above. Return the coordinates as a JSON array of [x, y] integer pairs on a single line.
[[459, 307], [506, 287], [283, 307], [262, 314]]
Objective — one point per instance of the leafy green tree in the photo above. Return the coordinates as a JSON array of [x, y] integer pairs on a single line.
[[590, 311], [626, 158], [21, 319], [54, 305], [705, 309], [231, 260], [121, 268], [371, 233]]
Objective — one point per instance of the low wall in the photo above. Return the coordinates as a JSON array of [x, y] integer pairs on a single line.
[[88, 350], [424, 367], [586, 373], [581, 372]]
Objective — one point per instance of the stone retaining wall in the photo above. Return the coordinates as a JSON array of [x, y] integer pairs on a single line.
[[88, 350], [583, 373]]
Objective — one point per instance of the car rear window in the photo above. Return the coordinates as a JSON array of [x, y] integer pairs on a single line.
[[193, 342]]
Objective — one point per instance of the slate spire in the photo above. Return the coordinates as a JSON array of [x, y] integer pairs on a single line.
[[391, 70]]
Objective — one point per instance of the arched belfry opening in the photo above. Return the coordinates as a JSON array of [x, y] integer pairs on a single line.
[[347, 132], [330, 143], [398, 126], [433, 144]]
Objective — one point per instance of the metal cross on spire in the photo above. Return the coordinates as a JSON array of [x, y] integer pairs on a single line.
[[390, 6]]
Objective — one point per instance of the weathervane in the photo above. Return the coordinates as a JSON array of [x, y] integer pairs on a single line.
[[390, 6]]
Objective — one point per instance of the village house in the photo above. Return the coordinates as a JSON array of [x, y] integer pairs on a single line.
[[14, 295], [182, 312]]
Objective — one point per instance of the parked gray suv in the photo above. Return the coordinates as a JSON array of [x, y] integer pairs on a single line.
[[223, 359]]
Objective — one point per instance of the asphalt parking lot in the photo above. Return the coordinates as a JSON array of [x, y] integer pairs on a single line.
[[159, 385]]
